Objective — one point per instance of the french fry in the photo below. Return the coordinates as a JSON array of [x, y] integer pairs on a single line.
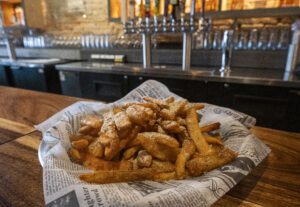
[[171, 126], [181, 121], [153, 140], [144, 159], [130, 152], [110, 134], [158, 138], [164, 166], [80, 144], [170, 99], [178, 107], [152, 106], [75, 137], [199, 165], [217, 136], [158, 102], [198, 106], [124, 133], [104, 139], [96, 148], [112, 150], [184, 133], [135, 142], [187, 150], [160, 129], [109, 128], [140, 115], [212, 140], [89, 138], [116, 176], [134, 132], [167, 114], [85, 130], [153, 143], [164, 176], [159, 151], [92, 121], [210, 127], [95, 163], [94, 132], [75, 155], [116, 110], [122, 121], [195, 131]]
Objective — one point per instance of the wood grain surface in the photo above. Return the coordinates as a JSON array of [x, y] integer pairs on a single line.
[[31, 107], [275, 182], [10, 130], [20, 172]]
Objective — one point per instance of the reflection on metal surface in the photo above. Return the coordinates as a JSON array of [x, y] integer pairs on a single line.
[[30, 62], [146, 38], [293, 52], [226, 50], [225, 73], [187, 50], [287, 76]]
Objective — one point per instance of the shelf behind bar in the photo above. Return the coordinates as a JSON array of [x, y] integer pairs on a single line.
[[269, 12], [241, 58]]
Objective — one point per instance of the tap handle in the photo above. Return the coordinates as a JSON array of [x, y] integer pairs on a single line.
[[192, 12], [131, 9], [166, 8], [182, 7], [174, 4], [156, 7], [147, 8], [203, 9], [141, 10]]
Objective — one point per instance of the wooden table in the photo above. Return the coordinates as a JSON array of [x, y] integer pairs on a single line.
[[275, 182]]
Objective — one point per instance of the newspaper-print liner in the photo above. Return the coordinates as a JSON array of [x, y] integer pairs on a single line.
[[60, 176]]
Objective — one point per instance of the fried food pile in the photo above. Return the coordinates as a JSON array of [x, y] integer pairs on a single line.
[[151, 140]]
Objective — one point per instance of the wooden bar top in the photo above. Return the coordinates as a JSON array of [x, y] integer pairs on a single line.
[[275, 182]]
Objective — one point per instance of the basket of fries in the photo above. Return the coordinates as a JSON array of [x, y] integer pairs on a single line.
[[146, 149]]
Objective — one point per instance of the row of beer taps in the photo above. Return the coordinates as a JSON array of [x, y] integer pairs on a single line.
[[173, 20]]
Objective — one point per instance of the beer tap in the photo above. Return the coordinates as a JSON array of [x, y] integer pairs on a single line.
[[141, 13], [165, 25], [187, 37], [183, 25], [146, 37], [226, 51], [200, 35], [156, 24], [173, 15], [192, 16], [131, 15], [146, 27]]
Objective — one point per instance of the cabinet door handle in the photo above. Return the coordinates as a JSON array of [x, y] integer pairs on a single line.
[[141, 78], [125, 77]]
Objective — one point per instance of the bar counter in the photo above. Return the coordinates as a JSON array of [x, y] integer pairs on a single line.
[[267, 77], [275, 182]]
